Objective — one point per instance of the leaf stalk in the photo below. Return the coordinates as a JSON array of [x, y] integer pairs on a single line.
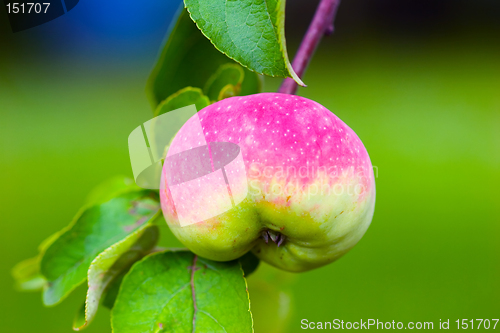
[[321, 24]]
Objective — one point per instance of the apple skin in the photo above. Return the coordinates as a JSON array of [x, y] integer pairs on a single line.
[[309, 178]]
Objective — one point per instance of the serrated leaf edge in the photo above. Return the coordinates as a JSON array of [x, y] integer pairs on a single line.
[[284, 51], [68, 227], [139, 231], [248, 295], [292, 73]]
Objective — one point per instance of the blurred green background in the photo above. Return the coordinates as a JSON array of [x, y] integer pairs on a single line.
[[421, 91]]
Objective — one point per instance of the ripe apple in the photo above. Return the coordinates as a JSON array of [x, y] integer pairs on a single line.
[[301, 184]]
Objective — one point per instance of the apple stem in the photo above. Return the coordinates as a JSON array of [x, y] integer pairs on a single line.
[[321, 24]]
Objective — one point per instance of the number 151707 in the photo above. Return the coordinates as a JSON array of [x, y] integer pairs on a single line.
[[477, 323], [29, 7]]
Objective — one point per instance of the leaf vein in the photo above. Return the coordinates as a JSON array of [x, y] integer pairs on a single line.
[[209, 315]]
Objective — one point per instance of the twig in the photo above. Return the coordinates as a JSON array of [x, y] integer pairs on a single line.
[[321, 24]]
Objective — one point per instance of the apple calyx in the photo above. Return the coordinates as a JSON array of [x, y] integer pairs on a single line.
[[277, 237]]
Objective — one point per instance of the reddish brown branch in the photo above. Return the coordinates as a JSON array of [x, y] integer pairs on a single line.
[[321, 24]]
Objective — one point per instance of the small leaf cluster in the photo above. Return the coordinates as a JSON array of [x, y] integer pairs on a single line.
[[111, 245]]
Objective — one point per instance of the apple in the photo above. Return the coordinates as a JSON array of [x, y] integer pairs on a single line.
[[275, 174]]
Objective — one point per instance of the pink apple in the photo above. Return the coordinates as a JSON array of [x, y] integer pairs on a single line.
[[296, 186]]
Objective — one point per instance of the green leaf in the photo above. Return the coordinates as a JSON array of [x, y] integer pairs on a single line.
[[228, 74], [110, 265], [36, 283], [48, 241], [232, 80], [227, 91], [184, 97], [66, 261], [188, 59], [99, 194], [80, 321], [252, 32], [112, 290], [157, 296], [26, 269], [109, 297], [161, 128], [27, 275]]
